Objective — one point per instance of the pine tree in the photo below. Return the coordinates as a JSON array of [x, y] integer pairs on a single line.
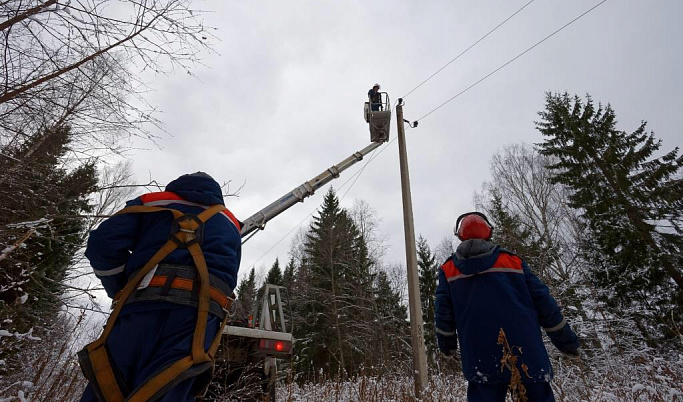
[[392, 323], [41, 203], [274, 276], [631, 200], [339, 283], [246, 296], [289, 275], [327, 249], [429, 279]]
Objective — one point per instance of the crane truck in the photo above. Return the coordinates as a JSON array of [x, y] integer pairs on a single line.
[[249, 352]]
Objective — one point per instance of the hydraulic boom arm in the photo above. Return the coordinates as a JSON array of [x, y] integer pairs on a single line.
[[259, 219]]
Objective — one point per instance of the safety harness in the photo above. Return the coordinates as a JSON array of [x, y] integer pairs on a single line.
[[95, 360]]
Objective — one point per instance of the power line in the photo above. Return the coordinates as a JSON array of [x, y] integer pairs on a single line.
[[356, 175], [471, 46], [360, 172], [513, 59]]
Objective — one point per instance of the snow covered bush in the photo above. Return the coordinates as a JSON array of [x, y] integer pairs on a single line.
[[44, 367]]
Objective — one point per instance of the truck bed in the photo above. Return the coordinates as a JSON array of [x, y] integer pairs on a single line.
[[257, 333]]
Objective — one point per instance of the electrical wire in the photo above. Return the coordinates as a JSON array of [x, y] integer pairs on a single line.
[[373, 155], [355, 177], [360, 172], [513, 59], [471, 46]]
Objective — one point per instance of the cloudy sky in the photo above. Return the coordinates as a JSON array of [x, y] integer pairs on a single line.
[[282, 99]]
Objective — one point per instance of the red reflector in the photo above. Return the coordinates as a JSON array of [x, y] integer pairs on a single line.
[[275, 346]]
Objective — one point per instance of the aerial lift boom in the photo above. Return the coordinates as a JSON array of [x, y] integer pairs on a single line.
[[378, 121], [258, 220]]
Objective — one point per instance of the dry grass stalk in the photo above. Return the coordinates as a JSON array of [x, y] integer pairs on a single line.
[[509, 361]]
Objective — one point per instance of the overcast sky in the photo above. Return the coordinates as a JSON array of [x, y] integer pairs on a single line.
[[282, 99]]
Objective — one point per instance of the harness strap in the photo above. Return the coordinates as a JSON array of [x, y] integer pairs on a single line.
[[217, 340], [159, 281], [164, 251], [154, 384], [198, 353], [100, 365], [185, 237]]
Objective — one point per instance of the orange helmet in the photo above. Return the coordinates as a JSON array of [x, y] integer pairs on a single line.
[[473, 225]]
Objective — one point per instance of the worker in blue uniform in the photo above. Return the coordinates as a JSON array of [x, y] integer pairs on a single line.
[[156, 325], [483, 288], [375, 98]]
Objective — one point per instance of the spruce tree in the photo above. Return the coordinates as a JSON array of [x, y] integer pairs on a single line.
[[246, 296], [391, 325], [631, 201], [335, 265], [328, 250], [274, 276], [429, 279], [289, 274], [42, 203]]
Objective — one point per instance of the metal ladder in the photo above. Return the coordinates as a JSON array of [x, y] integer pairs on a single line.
[[274, 305]]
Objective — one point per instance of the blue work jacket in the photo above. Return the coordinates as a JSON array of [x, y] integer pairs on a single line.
[[124, 243], [479, 295]]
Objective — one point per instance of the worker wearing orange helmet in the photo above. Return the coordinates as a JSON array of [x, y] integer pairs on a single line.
[[483, 288]]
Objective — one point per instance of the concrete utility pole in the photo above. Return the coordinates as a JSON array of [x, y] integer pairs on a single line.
[[415, 306]]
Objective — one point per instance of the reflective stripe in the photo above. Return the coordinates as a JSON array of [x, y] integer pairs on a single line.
[[487, 271], [445, 333], [109, 272], [557, 327], [453, 278], [512, 270]]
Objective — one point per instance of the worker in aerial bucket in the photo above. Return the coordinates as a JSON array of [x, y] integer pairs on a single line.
[[483, 289], [375, 98], [170, 324]]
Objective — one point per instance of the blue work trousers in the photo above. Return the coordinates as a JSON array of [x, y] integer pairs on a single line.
[[142, 342]]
